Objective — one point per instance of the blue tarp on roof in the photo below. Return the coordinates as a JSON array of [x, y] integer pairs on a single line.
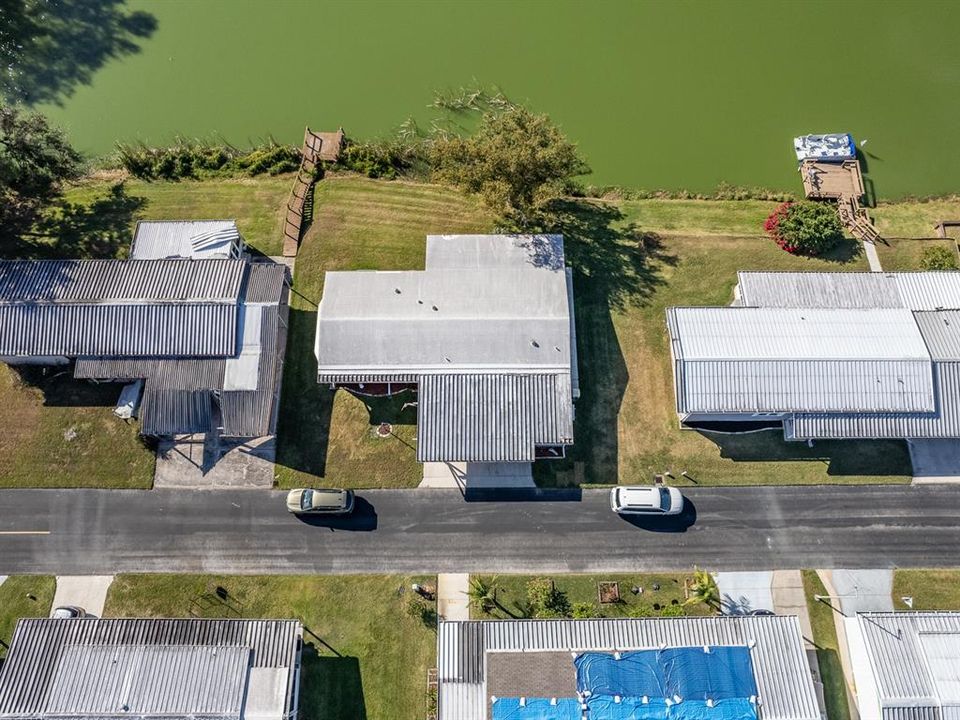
[[604, 707], [686, 673], [537, 709]]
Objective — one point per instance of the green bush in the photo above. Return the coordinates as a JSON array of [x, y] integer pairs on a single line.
[[385, 159], [673, 611], [545, 600], [805, 228], [639, 611], [938, 257], [191, 160], [585, 610]]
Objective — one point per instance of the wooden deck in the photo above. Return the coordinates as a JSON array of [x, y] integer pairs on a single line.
[[832, 181], [842, 182]]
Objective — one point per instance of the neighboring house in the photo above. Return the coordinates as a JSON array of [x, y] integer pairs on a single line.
[[205, 337], [824, 356], [207, 239], [485, 335], [91, 669], [692, 668], [906, 665]]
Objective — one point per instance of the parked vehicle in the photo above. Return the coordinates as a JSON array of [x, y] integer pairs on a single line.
[[646, 500], [327, 501], [65, 612]]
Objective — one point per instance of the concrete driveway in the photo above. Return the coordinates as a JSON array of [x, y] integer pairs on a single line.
[[935, 461], [743, 592], [86, 591]]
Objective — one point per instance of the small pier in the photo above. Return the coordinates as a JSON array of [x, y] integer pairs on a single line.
[[842, 182]]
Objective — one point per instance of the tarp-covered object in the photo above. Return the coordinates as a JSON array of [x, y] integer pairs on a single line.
[[537, 709], [832, 147], [687, 673], [604, 707]]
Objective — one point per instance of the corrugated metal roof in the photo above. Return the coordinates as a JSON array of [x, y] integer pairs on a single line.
[[143, 680], [177, 412], [189, 374], [41, 647], [114, 281], [724, 333], [354, 379], [492, 418], [911, 290], [783, 360], [915, 658], [173, 330], [780, 664], [818, 290], [495, 251], [154, 240], [941, 331], [943, 423], [265, 283]]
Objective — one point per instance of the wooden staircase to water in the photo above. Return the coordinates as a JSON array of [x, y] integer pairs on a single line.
[[842, 182], [317, 147]]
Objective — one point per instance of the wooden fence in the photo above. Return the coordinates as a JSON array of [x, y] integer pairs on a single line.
[[317, 147]]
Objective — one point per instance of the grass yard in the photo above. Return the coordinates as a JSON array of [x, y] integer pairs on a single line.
[[906, 254], [828, 655], [60, 432], [23, 596], [670, 597], [365, 656], [329, 438], [930, 589], [914, 218]]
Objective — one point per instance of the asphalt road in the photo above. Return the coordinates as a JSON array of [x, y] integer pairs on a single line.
[[246, 531]]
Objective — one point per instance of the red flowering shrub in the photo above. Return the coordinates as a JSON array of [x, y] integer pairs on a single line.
[[804, 228]]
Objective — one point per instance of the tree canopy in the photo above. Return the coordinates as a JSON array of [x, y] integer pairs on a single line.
[[517, 161], [805, 228], [35, 161]]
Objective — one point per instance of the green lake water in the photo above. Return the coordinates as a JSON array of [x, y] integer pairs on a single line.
[[656, 94]]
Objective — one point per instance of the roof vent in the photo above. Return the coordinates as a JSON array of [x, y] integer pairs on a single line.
[[397, 290], [435, 308], [535, 343]]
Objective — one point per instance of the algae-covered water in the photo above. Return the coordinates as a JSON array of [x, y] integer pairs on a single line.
[[657, 94]]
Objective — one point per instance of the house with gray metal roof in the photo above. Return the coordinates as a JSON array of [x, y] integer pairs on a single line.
[[696, 667], [206, 239], [906, 665], [204, 338], [485, 335], [824, 356], [91, 669]]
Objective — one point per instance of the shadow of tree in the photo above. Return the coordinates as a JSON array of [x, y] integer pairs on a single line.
[[98, 229], [49, 48], [615, 266], [331, 688], [396, 409]]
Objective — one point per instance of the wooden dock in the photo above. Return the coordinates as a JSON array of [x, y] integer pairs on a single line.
[[317, 147], [842, 182]]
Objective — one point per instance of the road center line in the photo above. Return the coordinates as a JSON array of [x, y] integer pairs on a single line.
[[24, 532]]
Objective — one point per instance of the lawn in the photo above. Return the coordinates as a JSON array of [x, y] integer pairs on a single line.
[[365, 656], [329, 438], [828, 657], [668, 597], [906, 254], [23, 596], [914, 219], [930, 589], [59, 432]]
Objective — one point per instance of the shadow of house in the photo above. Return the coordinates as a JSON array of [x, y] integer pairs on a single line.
[[616, 266], [331, 687], [61, 389], [306, 407], [51, 48]]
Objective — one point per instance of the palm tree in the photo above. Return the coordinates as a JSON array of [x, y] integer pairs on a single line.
[[483, 594], [704, 590]]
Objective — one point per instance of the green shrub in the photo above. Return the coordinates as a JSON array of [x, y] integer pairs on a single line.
[[381, 158], [420, 610], [938, 257], [673, 611], [805, 228], [639, 611], [585, 610], [192, 160], [545, 600]]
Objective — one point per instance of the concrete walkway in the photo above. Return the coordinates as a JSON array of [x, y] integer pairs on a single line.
[[872, 258], [789, 598], [452, 600], [86, 591], [743, 592]]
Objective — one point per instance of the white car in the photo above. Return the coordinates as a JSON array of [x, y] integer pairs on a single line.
[[646, 500]]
